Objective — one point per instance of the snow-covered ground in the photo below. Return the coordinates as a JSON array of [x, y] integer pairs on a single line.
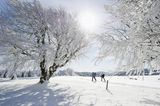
[[80, 91]]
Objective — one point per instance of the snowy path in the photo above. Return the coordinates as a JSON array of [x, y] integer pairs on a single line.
[[80, 91]]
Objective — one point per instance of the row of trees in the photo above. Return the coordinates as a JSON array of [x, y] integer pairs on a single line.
[[4, 74], [134, 36], [34, 36]]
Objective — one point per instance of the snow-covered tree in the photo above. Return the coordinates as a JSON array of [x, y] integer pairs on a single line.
[[134, 36], [35, 36]]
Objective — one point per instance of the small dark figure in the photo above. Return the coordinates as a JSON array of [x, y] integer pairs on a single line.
[[102, 78], [94, 76]]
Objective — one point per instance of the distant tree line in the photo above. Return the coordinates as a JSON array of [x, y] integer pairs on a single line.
[[20, 74]]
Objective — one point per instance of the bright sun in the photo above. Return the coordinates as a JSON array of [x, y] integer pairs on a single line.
[[88, 21]]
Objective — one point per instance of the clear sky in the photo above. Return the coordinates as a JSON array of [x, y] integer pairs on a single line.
[[96, 7]]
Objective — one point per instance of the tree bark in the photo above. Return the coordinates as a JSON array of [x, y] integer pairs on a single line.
[[5, 74], [43, 77], [41, 41], [13, 74], [52, 69]]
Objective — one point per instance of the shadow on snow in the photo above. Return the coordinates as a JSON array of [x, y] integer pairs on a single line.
[[37, 95], [150, 102]]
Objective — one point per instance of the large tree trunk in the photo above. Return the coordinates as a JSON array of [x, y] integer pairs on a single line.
[[44, 76]]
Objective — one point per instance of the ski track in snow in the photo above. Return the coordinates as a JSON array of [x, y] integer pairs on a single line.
[[80, 91]]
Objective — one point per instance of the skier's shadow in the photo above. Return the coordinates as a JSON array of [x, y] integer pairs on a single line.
[[109, 92]]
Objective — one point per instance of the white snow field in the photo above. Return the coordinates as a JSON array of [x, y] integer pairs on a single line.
[[80, 91]]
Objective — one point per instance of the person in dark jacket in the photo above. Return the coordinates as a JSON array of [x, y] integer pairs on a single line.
[[94, 76], [102, 77]]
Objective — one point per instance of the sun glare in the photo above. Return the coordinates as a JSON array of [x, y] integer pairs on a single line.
[[88, 21]]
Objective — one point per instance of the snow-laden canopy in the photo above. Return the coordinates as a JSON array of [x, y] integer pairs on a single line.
[[47, 38], [134, 36]]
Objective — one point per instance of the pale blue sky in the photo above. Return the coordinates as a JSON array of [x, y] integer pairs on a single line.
[[87, 62]]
